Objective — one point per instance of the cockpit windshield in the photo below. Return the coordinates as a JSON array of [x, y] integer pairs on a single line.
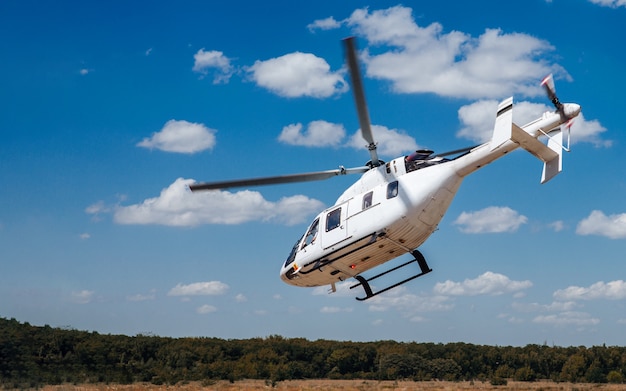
[[292, 254], [311, 234]]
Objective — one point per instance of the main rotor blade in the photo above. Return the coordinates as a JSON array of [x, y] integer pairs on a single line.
[[461, 150], [359, 98], [274, 180]]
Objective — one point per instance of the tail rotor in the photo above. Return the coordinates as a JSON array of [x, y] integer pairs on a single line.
[[567, 120]]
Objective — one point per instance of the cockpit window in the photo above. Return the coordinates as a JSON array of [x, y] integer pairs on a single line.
[[292, 254], [333, 219], [392, 189], [311, 235]]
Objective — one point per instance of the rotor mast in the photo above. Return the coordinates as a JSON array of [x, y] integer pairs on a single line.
[[359, 98]]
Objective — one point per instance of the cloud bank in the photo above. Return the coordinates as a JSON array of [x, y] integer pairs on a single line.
[[178, 206]]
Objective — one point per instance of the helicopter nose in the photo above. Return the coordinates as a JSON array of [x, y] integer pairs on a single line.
[[571, 109]]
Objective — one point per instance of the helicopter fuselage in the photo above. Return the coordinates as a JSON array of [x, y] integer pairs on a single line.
[[391, 210], [387, 213]]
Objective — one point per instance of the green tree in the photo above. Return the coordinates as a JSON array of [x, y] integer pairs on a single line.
[[525, 374], [573, 369], [615, 377]]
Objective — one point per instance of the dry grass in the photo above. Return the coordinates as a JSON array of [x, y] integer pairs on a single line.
[[345, 385]]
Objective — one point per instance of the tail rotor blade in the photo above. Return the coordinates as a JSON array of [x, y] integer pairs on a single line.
[[359, 98], [548, 85]]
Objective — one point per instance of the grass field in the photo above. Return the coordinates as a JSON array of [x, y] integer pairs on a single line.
[[345, 385]]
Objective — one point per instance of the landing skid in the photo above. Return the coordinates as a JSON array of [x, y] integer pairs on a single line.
[[418, 257]]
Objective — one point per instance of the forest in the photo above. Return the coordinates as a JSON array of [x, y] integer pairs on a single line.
[[32, 356]]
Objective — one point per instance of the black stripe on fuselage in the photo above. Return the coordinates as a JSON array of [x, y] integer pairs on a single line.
[[328, 259]]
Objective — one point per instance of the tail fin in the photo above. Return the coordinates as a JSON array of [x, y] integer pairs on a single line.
[[505, 130], [554, 166], [504, 120]]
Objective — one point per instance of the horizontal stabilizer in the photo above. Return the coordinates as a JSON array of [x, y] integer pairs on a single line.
[[532, 145], [550, 154]]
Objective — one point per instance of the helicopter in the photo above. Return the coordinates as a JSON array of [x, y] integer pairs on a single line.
[[394, 207]]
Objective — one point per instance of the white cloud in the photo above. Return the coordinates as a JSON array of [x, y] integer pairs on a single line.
[[324, 24], [477, 120], [343, 290], [588, 132], [567, 318], [177, 206], [208, 288], [514, 320], [409, 304], [613, 290], [597, 223], [82, 297], [390, 142], [298, 74], [181, 137], [241, 298], [213, 59], [206, 309], [610, 3], [318, 134], [557, 226], [426, 60], [488, 283], [142, 297], [96, 208], [334, 310], [399, 299], [84, 236], [493, 219], [419, 319], [536, 307]]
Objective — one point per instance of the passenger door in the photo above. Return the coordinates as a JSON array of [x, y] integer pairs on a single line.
[[335, 226]]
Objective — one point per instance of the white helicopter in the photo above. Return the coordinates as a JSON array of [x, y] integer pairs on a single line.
[[395, 206]]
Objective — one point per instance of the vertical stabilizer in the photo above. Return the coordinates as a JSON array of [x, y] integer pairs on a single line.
[[553, 167], [503, 126]]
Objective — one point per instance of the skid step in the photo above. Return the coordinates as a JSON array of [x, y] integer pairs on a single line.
[[418, 258]]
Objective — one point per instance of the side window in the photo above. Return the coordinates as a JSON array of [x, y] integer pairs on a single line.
[[333, 219], [392, 189], [367, 200], [312, 234]]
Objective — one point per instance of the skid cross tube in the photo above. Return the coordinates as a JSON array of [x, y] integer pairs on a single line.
[[419, 258]]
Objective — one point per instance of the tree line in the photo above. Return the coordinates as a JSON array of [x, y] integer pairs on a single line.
[[31, 356]]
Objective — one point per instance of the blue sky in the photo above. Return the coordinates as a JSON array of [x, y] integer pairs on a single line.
[[110, 109]]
